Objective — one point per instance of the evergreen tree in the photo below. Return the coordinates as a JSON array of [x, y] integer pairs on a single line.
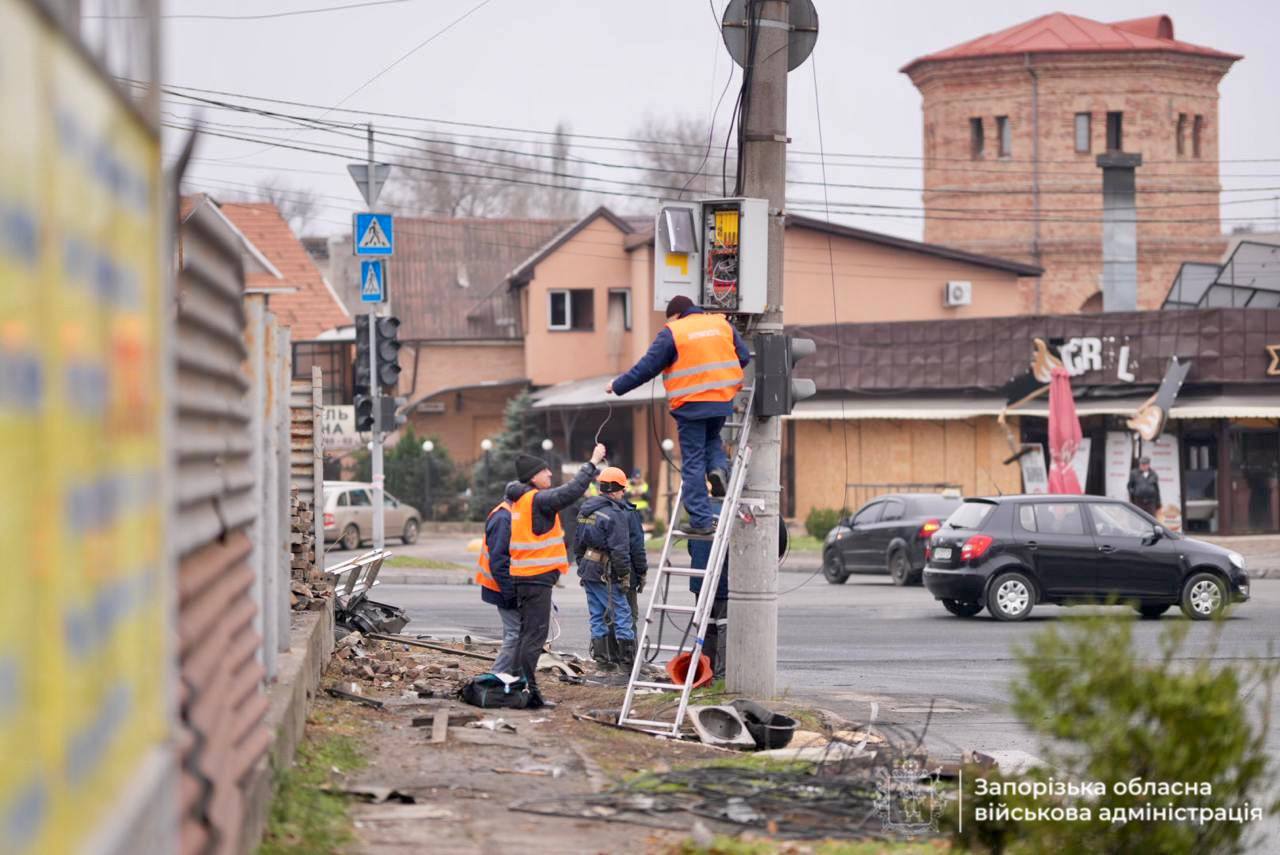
[[405, 465], [492, 472]]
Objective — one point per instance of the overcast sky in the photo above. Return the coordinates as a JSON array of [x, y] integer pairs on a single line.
[[603, 65]]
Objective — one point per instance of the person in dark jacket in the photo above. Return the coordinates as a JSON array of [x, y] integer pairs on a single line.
[[604, 552], [1144, 487], [716, 637], [494, 578], [700, 358], [538, 553]]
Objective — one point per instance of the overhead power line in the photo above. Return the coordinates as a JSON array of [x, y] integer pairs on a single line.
[[259, 17]]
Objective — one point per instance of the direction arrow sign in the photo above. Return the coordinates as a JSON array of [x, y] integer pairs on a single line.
[[370, 185], [373, 234], [373, 282]]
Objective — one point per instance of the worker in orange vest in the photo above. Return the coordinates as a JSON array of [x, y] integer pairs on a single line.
[[493, 575], [538, 553], [700, 357]]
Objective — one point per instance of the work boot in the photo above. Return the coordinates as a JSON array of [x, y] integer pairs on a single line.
[[709, 528], [601, 654], [719, 483], [626, 653]]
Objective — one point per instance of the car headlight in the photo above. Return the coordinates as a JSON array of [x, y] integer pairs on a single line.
[[1237, 559]]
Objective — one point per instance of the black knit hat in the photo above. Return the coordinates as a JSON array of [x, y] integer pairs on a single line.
[[527, 466], [679, 305]]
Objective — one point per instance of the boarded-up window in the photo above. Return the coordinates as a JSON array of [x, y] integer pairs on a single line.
[[1084, 132]]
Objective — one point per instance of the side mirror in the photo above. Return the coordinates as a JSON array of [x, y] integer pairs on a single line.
[[1156, 533]]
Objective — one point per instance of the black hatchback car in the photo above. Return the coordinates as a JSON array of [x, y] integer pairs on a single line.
[[1010, 553], [888, 533]]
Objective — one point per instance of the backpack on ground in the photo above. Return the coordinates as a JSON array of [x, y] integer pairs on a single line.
[[491, 691]]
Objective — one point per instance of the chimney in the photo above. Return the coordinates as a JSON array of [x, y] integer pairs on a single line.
[[1119, 231]]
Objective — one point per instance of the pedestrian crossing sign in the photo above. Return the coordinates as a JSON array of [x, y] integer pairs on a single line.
[[373, 234], [373, 282]]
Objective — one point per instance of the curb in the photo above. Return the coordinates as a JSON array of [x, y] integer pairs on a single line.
[[425, 577]]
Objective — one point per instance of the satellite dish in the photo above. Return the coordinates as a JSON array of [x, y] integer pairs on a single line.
[[800, 42]]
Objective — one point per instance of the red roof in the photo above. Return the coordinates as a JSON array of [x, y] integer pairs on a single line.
[[311, 307], [1059, 32]]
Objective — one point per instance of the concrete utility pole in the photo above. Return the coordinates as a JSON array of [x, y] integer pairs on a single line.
[[752, 659], [375, 456]]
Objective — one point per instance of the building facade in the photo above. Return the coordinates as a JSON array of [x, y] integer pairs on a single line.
[[1019, 124]]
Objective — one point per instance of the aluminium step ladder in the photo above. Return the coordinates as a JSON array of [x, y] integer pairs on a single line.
[[661, 616]]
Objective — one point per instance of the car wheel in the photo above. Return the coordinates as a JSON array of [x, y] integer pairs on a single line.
[[1151, 612], [410, 534], [833, 568], [1203, 597], [1011, 597], [351, 537], [900, 568], [959, 608]]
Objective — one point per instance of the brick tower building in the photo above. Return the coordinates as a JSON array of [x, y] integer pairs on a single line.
[[1024, 127]]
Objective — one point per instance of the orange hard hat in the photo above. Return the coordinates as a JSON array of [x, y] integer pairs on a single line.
[[613, 475]]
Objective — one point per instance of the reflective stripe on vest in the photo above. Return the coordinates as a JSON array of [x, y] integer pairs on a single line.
[[483, 575], [535, 554], [706, 366]]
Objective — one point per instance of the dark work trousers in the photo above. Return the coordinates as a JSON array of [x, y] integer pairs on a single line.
[[700, 450], [534, 604], [635, 609], [717, 636]]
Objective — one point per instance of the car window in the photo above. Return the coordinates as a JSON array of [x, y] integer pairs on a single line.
[[342, 500], [933, 506], [869, 514], [360, 498], [389, 500], [893, 509], [1059, 518], [970, 515], [1027, 517], [1118, 521]]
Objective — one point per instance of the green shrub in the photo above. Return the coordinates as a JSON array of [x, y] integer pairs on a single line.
[[1108, 713], [821, 520], [659, 527]]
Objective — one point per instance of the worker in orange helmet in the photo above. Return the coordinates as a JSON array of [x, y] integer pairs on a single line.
[[609, 548]]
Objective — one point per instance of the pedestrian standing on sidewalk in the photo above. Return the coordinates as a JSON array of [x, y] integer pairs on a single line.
[[538, 553], [700, 358], [494, 577], [1144, 487], [606, 556]]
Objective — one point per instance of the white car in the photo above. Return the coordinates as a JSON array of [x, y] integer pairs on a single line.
[[348, 515]]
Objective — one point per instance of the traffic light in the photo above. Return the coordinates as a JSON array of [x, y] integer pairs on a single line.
[[361, 367], [388, 352], [364, 412], [777, 389], [388, 418]]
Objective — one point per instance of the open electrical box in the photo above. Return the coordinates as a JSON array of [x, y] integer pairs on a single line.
[[715, 252]]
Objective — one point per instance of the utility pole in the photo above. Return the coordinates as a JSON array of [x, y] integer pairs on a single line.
[[375, 455], [752, 660]]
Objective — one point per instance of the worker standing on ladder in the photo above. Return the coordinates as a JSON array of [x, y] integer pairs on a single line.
[[493, 575], [700, 357], [610, 564], [538, 553]]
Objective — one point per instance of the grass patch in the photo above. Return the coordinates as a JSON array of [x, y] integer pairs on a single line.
[[304, 818], [726, 845], [805, 543], [409, 562]]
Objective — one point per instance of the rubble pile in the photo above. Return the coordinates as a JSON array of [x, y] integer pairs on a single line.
[[378, 668], [304, 597]]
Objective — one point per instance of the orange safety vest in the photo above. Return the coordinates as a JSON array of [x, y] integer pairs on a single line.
[[535, 554], [706, 366], [484, 576]]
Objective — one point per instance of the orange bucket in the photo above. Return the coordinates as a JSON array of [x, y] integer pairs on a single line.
[[678, 670]]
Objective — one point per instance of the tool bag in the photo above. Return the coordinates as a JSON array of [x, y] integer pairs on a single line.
[[489, 691]]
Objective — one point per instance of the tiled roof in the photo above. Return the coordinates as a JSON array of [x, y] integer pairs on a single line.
[[312, 307], [447, 279], [1059, 32]]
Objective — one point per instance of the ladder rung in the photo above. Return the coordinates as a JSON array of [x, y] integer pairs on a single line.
[[690, 536], [666, 687], [734, 424], [675, 648], [683, 571], [684, 610], [650, 722]]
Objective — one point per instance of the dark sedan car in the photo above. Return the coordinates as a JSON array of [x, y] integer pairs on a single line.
[[1010, 553], [889, 533]]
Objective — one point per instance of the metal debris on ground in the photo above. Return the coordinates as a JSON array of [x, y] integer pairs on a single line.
[[494, 724], [354, 696]]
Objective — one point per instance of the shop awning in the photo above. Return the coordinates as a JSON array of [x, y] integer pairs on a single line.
[[1228, 406], [930, 408], [584, 394]]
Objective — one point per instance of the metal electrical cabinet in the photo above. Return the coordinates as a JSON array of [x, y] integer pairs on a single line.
[[715, 252]]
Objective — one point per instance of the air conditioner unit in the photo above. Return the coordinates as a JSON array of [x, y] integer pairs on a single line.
[[957, 294]]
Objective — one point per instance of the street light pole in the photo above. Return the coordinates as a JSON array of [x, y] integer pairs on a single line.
[[427, 511]]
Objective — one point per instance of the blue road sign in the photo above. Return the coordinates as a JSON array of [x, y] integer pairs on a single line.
[[373, 282], [373, 234]]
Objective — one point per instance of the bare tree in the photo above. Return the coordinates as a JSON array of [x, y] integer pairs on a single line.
[[683, 157], [297, 205]]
